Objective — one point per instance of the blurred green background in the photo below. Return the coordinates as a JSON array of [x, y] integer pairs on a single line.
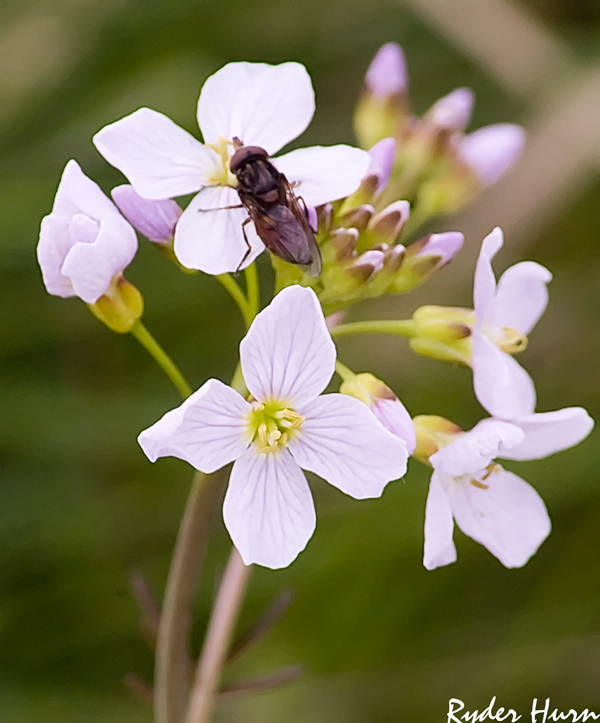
[[382, 640]]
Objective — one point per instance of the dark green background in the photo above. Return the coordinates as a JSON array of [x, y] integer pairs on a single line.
[[382, 640]]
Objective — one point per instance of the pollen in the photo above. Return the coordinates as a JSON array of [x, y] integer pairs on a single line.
[[272, 425], [507, 339], [221, 175], [492, 468]]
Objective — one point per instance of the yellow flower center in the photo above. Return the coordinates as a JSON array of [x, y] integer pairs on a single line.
[[272, 425], [221, 175], [492, 468]]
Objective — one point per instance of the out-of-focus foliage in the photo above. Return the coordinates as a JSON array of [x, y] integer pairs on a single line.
[[80, 507]]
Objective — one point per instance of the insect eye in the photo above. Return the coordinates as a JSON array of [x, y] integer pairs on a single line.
[[245, 154]]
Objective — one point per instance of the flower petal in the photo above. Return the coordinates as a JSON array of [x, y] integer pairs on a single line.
[[91, 266], [453, 111], [439, 526], [395, 418], [342, 441], [491, 151], [501, 384], [521, 297], [509, 518], [268, 508], [159, 158], [77, 193], [485, 282], [208, 430], [382, 160], [472, 452], [549, 432], [263, 105], [155, 220], [213, 241], [288, 354], [387, 73], [53, 246], [322, 174]]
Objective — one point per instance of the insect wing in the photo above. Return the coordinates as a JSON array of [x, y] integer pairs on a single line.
[[315, 266]]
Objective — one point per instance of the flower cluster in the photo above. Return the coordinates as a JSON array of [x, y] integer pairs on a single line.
[[360, 213]]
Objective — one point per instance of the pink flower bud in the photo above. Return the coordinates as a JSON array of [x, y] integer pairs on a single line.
[[453, 111], [445, 245], [155, 220], [492, 150], [387, 73], [382, 160]]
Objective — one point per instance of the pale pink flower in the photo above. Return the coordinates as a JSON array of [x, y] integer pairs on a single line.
[[287, 360], [84, 242], [387, 74], [493, 506], [262, 105], [156, 220], [492, 150]]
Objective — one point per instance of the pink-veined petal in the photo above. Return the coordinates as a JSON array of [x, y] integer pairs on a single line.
[[485, 282], [159, 158], [156, 220], [263, 105], [77, 193], [521, 297], [439, 549], [509, 518], [53, 246], [209, 430], [321, 174], [472, 451], [213, 240], [268, 509], [288, 354], [549, 432], [342, 441], [501, 384], [91, 266]]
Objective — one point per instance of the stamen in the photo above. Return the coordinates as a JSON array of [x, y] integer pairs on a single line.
[[479, 485]]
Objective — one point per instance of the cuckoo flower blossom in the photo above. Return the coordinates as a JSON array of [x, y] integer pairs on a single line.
[[287, 360], [504, 314], [262, 105], [495, 507], [84, 242]]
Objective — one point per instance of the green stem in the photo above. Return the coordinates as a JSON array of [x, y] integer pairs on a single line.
[[344, 372], [149, 343], [238, 296], [252, 290], [400, 327]]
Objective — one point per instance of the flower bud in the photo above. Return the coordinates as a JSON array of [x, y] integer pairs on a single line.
[[433, 433], [387, 225], [120, 306], [382, 160], [426, 256], [387, 75], [490, 151], [443, 333], [453, 111], [156, 220], [367, 264], [384, 404]]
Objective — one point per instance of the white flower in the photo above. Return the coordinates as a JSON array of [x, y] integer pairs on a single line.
[[287, 360], [504, 315], [495, 507], [263, 105], [85, 241]]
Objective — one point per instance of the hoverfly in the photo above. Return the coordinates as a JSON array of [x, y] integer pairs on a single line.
[[280, 221]]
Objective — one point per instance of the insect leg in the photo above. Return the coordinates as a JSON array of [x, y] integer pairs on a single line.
[[221, 208], [237, 271]]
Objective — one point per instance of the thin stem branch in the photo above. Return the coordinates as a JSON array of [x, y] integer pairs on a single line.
[[161, 357], [397, 327], [344, 372], [216, 644], [252, 289], [234, 289], [173, 668]]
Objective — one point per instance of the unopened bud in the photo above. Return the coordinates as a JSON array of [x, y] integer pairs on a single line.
[[388, 224], [490, 151], [443, 333], [344, 241], [453, 111], [156, 220], [367, 264], [433, 433], [382, 160], [424, 257], [120, 306], [387, 75], [384, 404], [358, 218]]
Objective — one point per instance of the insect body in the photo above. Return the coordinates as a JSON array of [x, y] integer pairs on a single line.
[[280, 221]]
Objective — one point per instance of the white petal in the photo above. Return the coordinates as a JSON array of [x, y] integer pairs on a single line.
[[485, 281], [159, 158], [288, 354], [91, 266], [509, 518], [54, 244], [521, 297], [342, 441], [501, 384], [268, 508], [77, 193], [395, 418], [323, 174], [550, 432], [208, 430], [263, 105], [439, 526], [213, 241], [474, 450]]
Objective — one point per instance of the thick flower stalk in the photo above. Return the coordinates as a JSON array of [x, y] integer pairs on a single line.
[[259, 104], [495, 507], [287, 359]]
